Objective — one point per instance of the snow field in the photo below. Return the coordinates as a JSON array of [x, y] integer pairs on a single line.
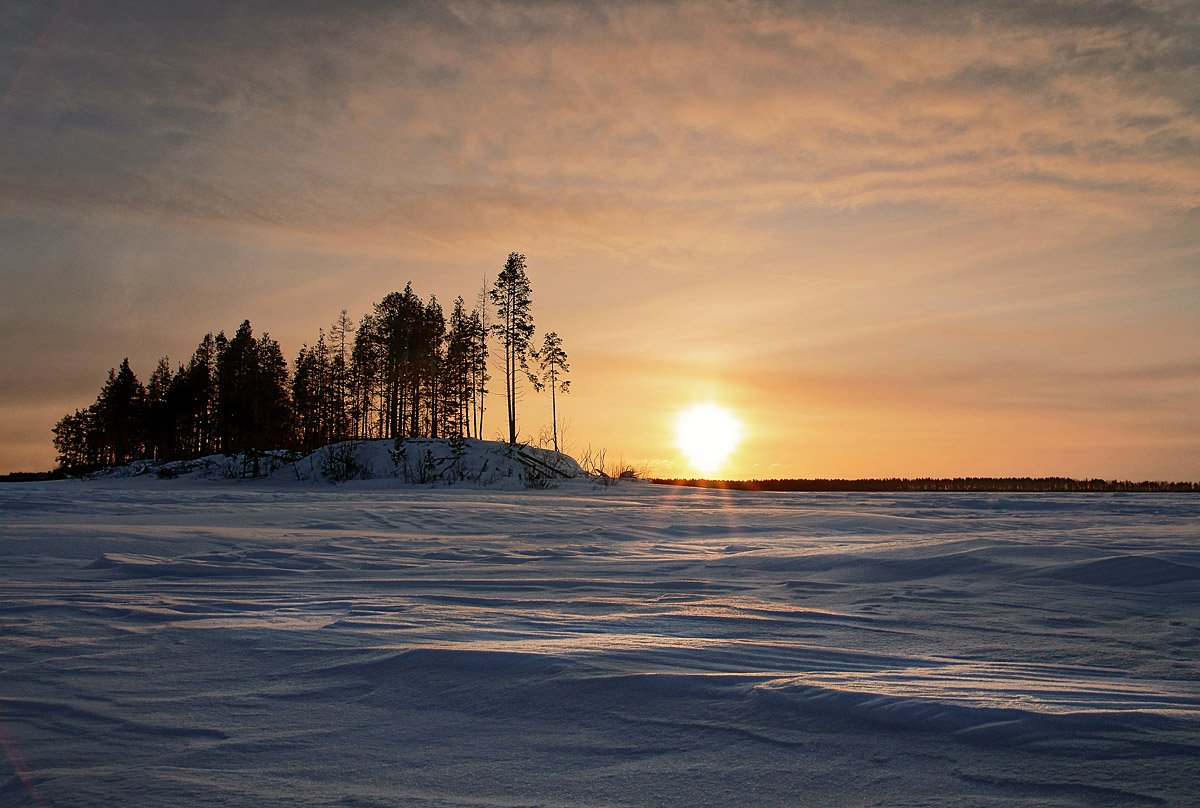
[[290, 642]]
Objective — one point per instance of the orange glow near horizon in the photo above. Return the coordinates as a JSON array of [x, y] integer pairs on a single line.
[[939, 243]]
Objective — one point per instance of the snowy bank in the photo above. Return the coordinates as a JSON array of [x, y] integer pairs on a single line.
[[415, 461]]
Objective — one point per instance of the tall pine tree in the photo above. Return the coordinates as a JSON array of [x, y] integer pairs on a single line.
[[512, 297], [122, 410], [160, 431], [552, 364]]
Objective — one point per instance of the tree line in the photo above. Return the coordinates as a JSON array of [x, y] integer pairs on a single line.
[[969, 484], [405, 370]]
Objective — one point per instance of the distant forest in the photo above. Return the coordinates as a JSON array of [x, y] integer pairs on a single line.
[[977, 484], [404, 371]]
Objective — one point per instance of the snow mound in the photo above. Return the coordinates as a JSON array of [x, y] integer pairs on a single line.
[[1126, 571], [415, 461], [984, 706]]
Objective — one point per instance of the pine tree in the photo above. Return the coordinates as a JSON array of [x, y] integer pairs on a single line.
[[341, 395], [303, 399], [77, 440], [367, 379], [552, 364], [312, 396], [192, 402], [512, 298], [456, 383], [253, 405], [480, 327], [396, 327], [160, 427], [458, 453], [272, 427], [237, 369], [430, 366], [122, 411]]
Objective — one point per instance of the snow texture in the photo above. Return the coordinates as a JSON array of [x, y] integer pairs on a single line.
[[415, 461], [290, 642]]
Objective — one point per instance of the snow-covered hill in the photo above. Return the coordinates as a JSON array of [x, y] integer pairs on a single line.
[[416, 461]]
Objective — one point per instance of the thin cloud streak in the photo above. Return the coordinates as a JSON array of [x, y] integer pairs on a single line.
[[348, 125]]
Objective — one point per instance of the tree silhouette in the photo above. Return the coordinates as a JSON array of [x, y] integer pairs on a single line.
[[122, 411], [457, 388], [77, 440], [340, 393], [192, 402], [405, 371], [160, 429], [552, 364], [512, 297], [480, 327], [253, 403]]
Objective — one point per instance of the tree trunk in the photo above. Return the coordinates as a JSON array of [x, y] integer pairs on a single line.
[[514, 397], [553, 409]]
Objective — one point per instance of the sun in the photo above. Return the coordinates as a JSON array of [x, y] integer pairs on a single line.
[[707, 433]]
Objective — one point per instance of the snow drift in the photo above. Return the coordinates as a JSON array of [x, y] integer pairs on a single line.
[[287, 642]]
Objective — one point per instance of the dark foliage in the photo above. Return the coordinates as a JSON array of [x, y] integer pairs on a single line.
[[403, 372], [512, 297]]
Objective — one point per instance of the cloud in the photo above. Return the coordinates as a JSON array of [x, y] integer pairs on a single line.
[[838, 188], [354, 123]]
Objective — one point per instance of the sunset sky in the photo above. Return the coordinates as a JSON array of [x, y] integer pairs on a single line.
[[895, 239]]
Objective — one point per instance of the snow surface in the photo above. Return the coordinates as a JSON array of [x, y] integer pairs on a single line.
[[291, 642], [415, 461]]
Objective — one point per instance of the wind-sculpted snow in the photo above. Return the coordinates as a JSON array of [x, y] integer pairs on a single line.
[[276, 642], [1129, 571]]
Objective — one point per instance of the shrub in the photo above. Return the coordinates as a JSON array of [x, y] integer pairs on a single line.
[[340, 463]]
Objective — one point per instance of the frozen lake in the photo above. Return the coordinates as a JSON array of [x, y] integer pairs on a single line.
[[260, 644]]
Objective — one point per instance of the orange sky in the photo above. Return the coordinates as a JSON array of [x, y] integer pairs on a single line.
[[898, 239]]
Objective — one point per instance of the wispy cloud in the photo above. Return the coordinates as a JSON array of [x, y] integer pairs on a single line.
[[349, 121]]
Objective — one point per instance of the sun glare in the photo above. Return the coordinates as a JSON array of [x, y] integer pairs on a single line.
[[707, 434]]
